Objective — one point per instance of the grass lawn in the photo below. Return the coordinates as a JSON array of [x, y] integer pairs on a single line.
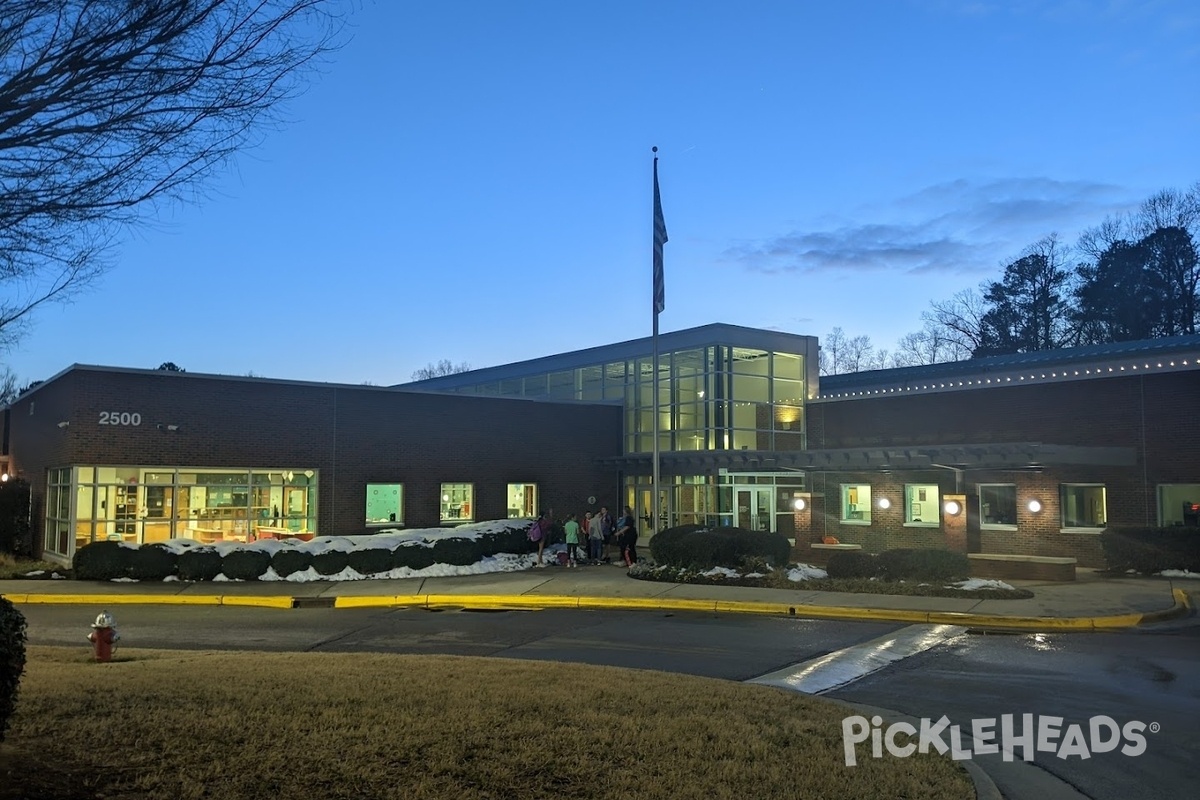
[[13, 568], [181, 724]]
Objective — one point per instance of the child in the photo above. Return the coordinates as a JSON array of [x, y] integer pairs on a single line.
[[572, 529]]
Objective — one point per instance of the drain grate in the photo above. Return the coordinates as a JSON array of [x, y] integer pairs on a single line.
[[312, 602]]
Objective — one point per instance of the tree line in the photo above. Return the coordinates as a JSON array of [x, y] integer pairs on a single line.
[[1134, 276]]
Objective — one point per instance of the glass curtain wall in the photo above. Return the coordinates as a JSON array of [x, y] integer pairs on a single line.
[[138, 505], [716, 397], [710, 398]]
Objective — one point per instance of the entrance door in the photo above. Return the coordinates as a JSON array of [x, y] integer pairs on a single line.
[[755, 507]]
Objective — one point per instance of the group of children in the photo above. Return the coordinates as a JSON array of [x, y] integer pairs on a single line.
[[598, 532]]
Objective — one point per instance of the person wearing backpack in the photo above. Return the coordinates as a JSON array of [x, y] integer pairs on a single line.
[[538, 532]]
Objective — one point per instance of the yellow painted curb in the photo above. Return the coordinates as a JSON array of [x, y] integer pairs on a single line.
[[123, 599], [1182, 606]]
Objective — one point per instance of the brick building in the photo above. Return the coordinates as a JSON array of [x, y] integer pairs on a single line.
[[1028, 454]]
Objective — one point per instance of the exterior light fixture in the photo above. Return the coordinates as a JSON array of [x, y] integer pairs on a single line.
[[885, 503], [4, 477], [799, 505], [1035, 506], [64, 423], [952, 508]]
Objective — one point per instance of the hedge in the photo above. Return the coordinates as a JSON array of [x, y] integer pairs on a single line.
[[921, 565], [245, 565], [102, 561], [1151, 550], [414, 556], [107, 560], [152, 562], [851, 564], [902, 564], [370, 561], [287, 562], [695, 546], [12, 659], [200, 564]]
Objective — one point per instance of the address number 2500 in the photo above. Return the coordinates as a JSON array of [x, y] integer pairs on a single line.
[[120, 418]]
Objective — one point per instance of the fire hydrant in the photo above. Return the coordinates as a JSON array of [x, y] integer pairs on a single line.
[[104, 636]]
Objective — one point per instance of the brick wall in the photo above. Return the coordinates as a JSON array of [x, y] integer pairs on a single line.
[[1153, 414], [349, 435]]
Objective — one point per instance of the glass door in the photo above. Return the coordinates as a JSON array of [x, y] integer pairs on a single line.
[[755, 508]]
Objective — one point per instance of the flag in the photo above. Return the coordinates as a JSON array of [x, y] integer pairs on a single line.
[[660, 238]]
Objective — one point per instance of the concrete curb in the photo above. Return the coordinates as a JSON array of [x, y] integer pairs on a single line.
[[150, 599], [1181, 607]]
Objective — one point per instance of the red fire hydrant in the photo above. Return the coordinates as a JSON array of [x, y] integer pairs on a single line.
[[104, 636]]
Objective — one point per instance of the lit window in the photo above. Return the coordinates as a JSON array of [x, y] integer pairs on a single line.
[[921, 502], [457, 502], [1179, 505], [856, 502], [522, 500], [385, 504]]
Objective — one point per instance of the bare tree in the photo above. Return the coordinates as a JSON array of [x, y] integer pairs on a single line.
[[958, 323], [9, 390], [1169, 208], [107, 107], [443, 367]]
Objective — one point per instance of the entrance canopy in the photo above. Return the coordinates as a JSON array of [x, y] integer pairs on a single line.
[[1008, 455]]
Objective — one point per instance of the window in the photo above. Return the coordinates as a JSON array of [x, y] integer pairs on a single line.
[[997, 505], [856, 503], [921, 504], [1083, 506], [385, 503], [457, 502], [522, 500], [1179, 504]]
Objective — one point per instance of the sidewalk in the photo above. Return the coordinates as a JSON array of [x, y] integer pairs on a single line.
[[1092, 602]]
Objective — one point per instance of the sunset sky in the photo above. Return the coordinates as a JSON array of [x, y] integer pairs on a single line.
[[472, 180]]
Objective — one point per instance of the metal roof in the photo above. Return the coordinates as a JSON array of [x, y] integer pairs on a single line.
[[690, 338], [1009, 455]]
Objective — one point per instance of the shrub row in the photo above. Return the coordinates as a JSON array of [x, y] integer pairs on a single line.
[[154, 562], [1151, 550], [12, 659], [900, 565], [698, 547]]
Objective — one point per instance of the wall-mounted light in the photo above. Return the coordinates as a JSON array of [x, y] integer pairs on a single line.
[[1035, 506], [952, 507], [885, 503], [64, 423], [4, 477], [172, 428], [799, 504]]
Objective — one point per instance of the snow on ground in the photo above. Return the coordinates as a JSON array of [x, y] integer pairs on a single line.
[[722, 571], [975, 584], [806, 572], [1179, 573]]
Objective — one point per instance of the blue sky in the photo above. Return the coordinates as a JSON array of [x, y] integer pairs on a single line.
[[471, 180]]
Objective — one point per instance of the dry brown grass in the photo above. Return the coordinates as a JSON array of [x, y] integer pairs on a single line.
[[172, 724], [12, 567]]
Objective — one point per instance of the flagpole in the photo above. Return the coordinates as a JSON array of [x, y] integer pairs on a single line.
[[658, 303]]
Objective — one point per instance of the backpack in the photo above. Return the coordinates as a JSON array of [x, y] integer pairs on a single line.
[[535, 531]]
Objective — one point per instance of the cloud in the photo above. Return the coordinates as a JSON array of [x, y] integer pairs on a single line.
[[954, 228]]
